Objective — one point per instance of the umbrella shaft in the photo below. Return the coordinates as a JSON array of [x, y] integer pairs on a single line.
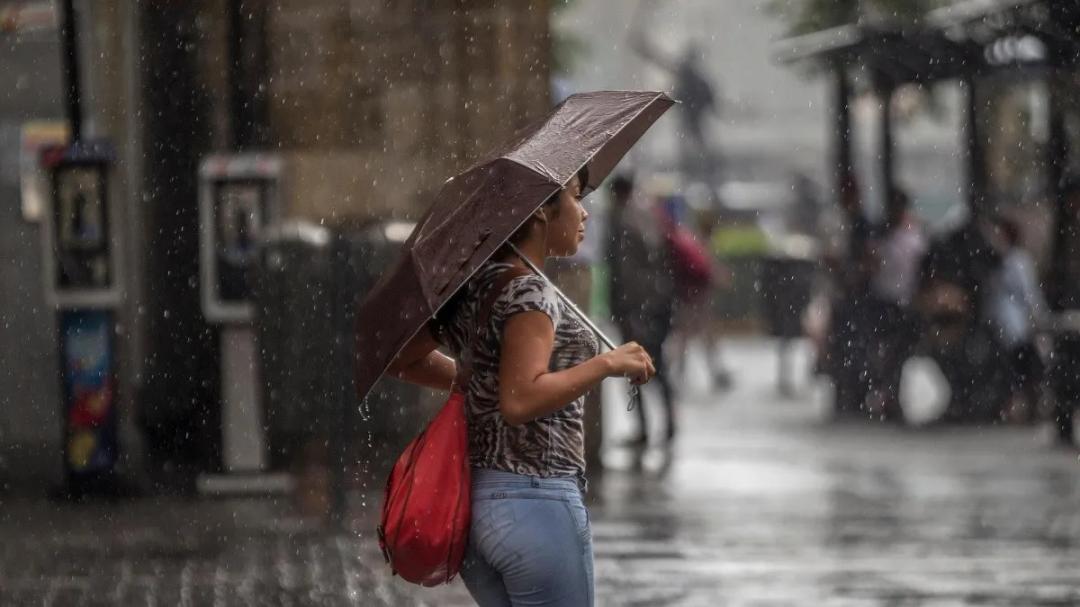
[[573, 307]]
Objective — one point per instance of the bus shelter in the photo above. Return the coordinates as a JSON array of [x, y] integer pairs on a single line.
[[1017, 65]]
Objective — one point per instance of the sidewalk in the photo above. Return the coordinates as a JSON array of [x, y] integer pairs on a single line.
[[763, 505]]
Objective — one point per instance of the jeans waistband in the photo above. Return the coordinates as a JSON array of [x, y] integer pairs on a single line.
[[485, 476]]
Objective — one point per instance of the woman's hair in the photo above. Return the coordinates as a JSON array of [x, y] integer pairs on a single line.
[[583, 179], [622, 186], [1010, 229]]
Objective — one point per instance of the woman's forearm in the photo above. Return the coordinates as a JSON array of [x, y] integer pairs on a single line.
[[552, 391], [436, 370]]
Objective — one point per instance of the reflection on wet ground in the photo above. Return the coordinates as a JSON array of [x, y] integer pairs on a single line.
[[763, 504], [847, 515]]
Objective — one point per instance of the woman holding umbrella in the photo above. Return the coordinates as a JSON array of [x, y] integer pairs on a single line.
[[530, 534], [522, 355]]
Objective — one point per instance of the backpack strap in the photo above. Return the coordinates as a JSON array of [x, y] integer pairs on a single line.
[[487, 304]]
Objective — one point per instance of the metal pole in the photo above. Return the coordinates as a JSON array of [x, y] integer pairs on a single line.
[[1056, 155], [635, 394], [237, 114], [70, 48], [841, 128], [885, 126], [976, 161], [1066, 341], [344, 389]]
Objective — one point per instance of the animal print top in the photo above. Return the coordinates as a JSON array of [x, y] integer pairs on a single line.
[[550, 446]]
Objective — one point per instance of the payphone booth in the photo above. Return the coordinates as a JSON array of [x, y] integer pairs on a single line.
[[81, 268], [238, 199]]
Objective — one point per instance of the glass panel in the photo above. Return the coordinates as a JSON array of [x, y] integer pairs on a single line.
[[928, 127]]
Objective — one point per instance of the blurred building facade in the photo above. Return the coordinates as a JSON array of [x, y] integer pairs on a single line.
[[29, 390], [370, 105]]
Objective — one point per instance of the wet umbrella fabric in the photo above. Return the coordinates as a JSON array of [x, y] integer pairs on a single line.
[[477, 211]]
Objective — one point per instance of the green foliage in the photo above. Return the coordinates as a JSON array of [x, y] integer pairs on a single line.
[[558, 5], [733, 241]]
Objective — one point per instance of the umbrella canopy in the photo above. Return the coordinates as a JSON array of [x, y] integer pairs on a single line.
[[477, 211]]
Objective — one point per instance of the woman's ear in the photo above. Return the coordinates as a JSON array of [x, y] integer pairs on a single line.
[[540, 215]]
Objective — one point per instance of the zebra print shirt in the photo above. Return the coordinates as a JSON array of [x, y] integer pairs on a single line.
[[549, 446]]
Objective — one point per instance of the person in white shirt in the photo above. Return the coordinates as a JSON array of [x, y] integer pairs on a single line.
[[1017, 308], [897, 252]]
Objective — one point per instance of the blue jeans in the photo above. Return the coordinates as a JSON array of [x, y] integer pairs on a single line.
[[530, 542]]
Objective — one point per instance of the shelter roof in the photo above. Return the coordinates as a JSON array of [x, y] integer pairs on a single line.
[[964, 39]]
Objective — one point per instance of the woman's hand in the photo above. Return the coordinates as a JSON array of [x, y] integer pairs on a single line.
[[420, 363], [630, 360]]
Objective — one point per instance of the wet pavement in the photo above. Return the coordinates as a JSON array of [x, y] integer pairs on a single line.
[[763, 504]]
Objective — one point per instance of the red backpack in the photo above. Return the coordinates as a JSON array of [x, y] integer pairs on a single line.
[[427, 503], [691, 260]]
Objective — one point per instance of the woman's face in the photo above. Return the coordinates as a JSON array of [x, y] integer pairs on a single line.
[[566, 226]]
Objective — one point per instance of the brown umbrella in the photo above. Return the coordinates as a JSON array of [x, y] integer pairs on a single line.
[[477, 211]]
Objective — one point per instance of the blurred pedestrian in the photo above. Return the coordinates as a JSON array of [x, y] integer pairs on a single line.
[[849, 325], [1017, 309], [697, 278], [956, 273], [897, 253], [641, 287]]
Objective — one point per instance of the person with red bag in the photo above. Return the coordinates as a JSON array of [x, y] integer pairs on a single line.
[[697, 277], [529, 362]]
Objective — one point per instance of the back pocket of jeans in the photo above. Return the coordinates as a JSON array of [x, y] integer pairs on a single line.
[[580, 515], [492, 520]]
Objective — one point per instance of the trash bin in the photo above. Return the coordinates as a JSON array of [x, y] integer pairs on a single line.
[[306, 292], [293, 325], [307, 288], [394, 412], [786, 284], [738, 304]]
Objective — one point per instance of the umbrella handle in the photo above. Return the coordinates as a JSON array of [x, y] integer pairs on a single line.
[[635, 393]]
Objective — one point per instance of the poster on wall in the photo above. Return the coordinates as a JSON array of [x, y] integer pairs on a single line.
[[33, 178], [89, 391]]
